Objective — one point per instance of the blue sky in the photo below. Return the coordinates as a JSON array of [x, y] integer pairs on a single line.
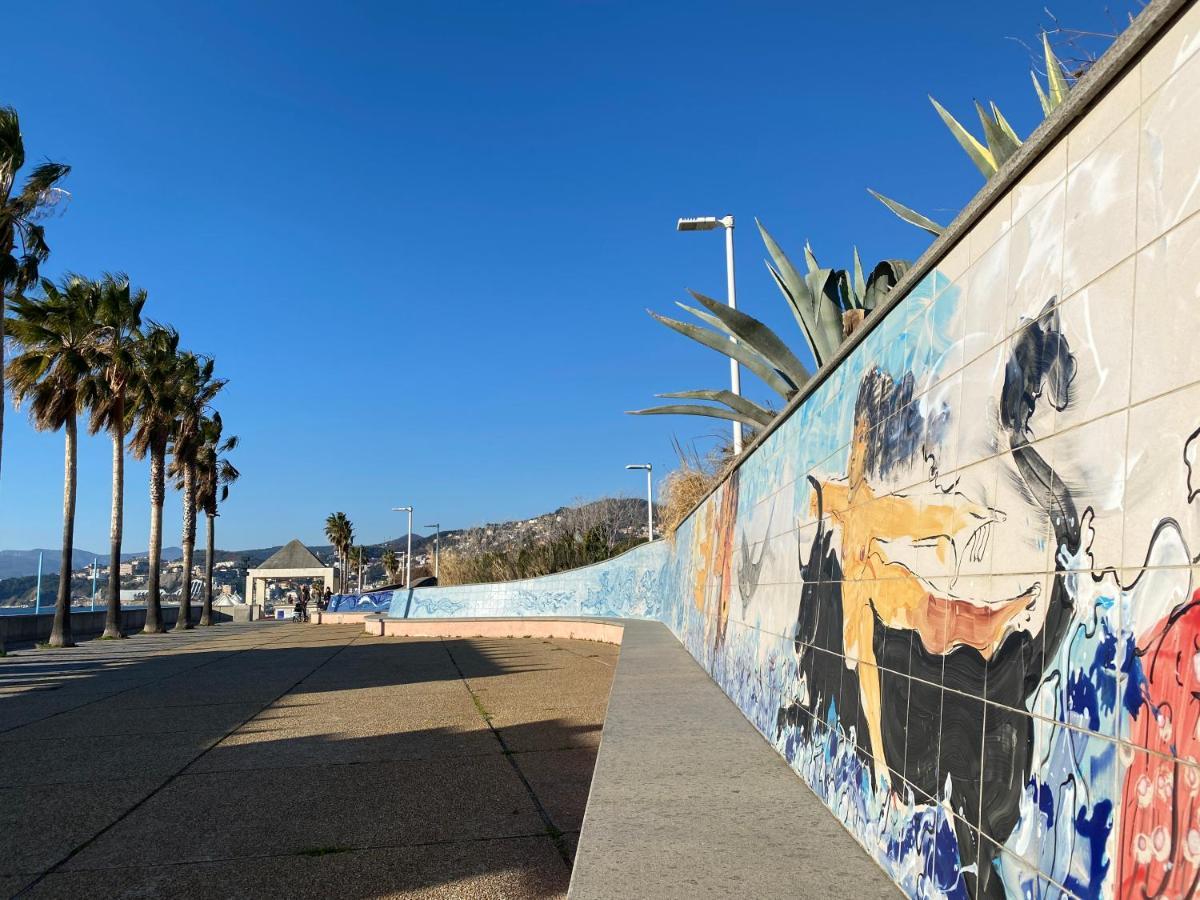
[[419, 238]]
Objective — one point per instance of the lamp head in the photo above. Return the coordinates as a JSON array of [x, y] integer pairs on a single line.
[[643, 466], [698, 223]]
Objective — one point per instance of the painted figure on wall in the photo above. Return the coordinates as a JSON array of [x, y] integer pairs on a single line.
[[900, 632]]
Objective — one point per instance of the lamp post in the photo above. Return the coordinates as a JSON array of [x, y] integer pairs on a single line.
[[437, 545], [649, 499], [708, 223], [408, 555]]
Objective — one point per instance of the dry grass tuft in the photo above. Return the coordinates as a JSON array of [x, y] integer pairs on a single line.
[[685, 487]]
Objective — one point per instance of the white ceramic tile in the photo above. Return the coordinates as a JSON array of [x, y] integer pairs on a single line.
[[1163, 473], [991, 227], [1098, 325], [984, 300], [1035, 259], [1166, 313], [1090, 462], [1172, 49], [1046, 174], [977, 417], [1119, 102], [1101, 208], [952, 266], [1168, 177], [1020, 537]]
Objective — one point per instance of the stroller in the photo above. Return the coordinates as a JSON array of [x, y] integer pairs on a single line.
[[300, 611]]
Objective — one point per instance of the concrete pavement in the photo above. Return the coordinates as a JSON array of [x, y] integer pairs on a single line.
[[286, 760]]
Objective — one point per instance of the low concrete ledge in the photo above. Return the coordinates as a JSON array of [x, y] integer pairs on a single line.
[[688, 800], [606, 631], [324, 617]]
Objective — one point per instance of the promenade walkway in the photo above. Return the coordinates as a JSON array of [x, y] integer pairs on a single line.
[[278, 760]]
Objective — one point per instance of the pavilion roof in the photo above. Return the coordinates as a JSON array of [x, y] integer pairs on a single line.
[[292, 555]]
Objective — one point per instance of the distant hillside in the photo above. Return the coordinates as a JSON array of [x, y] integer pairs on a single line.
[[17, 563], [627, 513]]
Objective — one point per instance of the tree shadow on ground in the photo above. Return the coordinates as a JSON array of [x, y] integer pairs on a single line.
[[354, 789]]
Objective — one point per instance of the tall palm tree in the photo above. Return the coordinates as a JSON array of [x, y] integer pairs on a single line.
[[107, 393], [22, 240], [197, 388], [391, 565], [340, 533], [58, 340], [155, 402], [214, 474]]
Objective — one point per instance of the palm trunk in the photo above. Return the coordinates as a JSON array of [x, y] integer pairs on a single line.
[[184, 622], [158, 464], [60, 634], [206, 611], [112, 620]]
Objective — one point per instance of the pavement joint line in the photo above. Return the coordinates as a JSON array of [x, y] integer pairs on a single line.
[[225, 655], [360, 762], [170, 778], [552, 831], [447, 842]]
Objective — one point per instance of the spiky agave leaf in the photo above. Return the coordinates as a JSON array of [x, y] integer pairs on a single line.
[[860, 283], [912, 217], [757, 336], [1003, 123], [1000, 145], [751, 359], [735, 402], [817, 311], [1054, 75], [980, 155], [885, 276], [694, 409], [791, 284], [824, 287]]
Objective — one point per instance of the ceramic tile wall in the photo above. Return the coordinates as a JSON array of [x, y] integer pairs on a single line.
[[957, 589]]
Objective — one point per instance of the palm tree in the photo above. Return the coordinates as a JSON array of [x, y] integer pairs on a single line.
[[340, 533], [391, 565], [22, 241], [107, 393], [155, 402], [58, 338], [196, 391], [214, 474]]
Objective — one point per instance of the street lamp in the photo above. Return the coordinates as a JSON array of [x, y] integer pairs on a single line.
[[408, 556], [437, 545], [649, 499], [708, 223]]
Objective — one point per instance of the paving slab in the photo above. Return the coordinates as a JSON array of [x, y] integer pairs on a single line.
[[527, 867], [263, 744], [42, 823]]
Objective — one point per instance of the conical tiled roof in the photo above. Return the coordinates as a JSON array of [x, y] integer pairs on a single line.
[[292, 555]]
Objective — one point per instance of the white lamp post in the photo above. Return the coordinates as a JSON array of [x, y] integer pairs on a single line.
[[649, 499], [408, 555], [708, 223], [437, 545]]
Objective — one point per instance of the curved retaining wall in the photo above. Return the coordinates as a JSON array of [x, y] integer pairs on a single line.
[[956, 587]]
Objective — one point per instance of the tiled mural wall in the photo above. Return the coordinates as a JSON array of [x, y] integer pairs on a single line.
[[958, 588]]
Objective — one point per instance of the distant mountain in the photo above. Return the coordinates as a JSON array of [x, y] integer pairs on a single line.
[[626, 514], [17, 563]]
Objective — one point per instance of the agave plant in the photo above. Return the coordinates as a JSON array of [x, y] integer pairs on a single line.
[[999, 142], [827, 304]]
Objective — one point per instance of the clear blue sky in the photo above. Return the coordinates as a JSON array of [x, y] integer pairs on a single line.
[[419, 238]]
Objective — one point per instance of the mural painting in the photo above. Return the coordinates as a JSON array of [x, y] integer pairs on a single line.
[[956, 588]]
